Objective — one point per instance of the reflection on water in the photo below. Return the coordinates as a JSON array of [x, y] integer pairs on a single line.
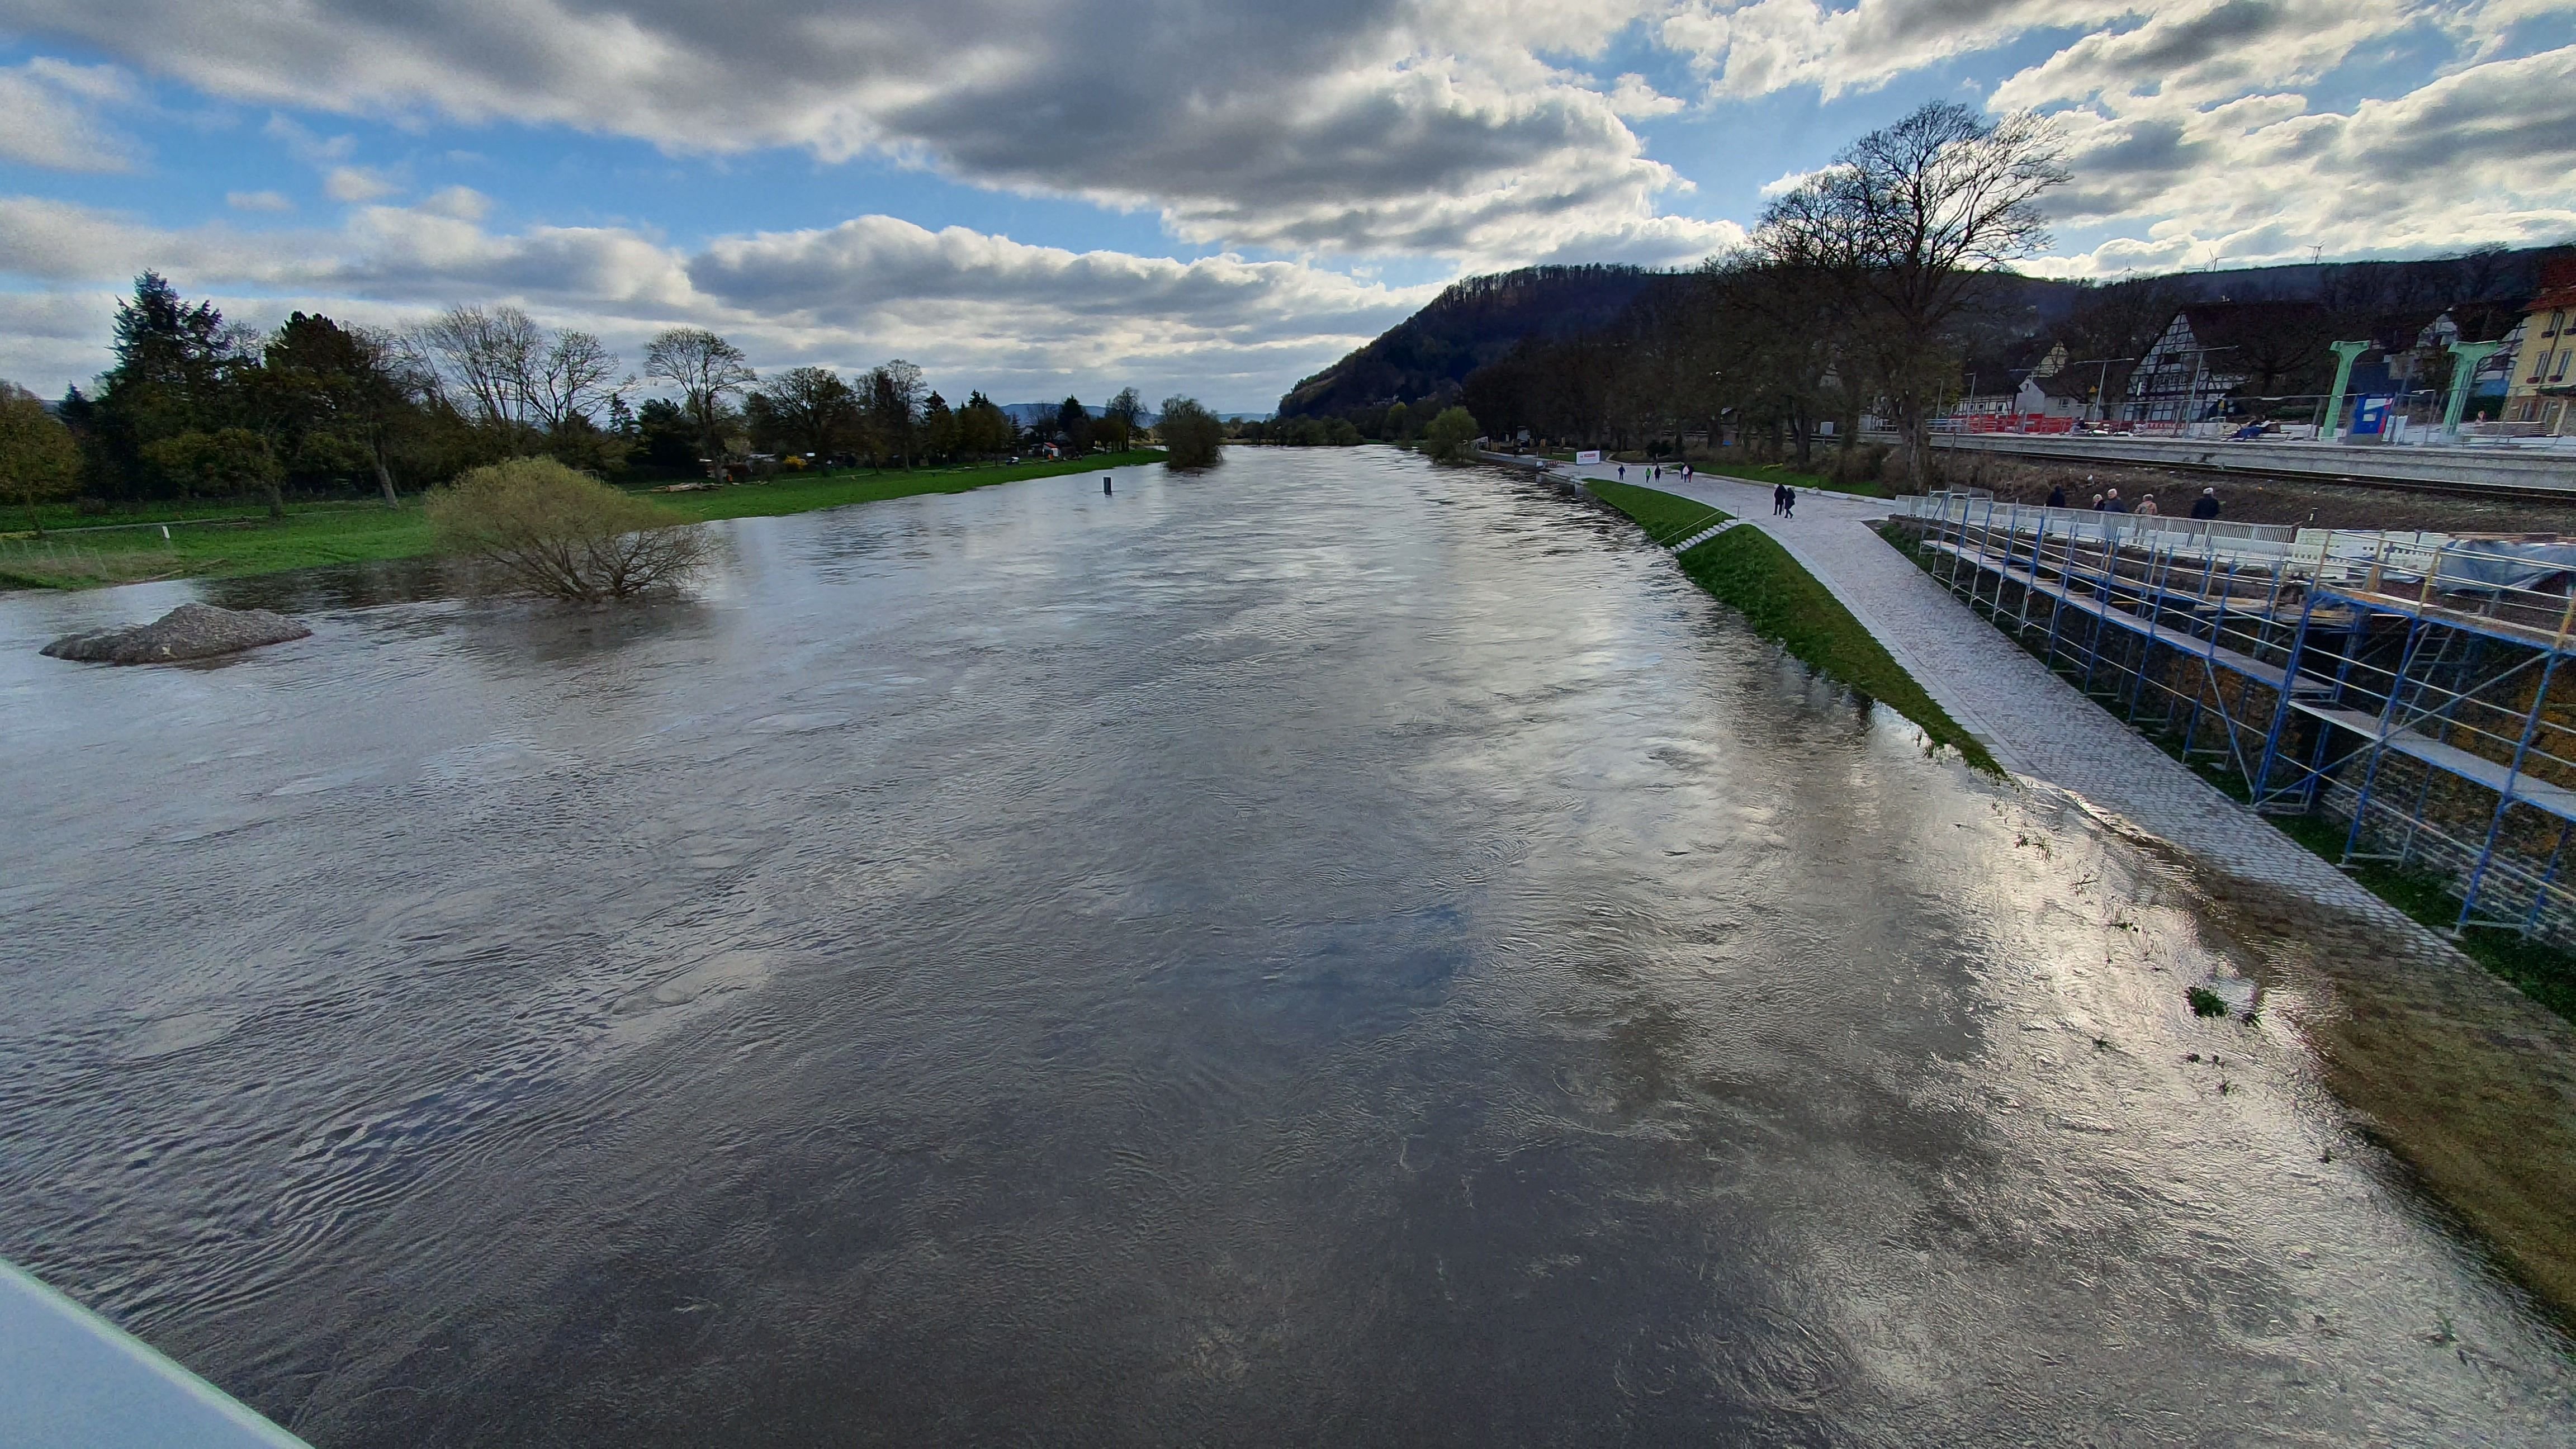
[[1325, 951]]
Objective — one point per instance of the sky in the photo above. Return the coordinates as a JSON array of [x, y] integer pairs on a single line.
[[1209, 198]]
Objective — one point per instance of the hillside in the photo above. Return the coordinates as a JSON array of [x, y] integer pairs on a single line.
[[1475, 321], [1480, 319]]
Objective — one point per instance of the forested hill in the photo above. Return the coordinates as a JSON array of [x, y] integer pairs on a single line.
[[1475, 321]]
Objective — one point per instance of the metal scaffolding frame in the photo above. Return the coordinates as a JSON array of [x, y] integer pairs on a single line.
[[2384, 680]]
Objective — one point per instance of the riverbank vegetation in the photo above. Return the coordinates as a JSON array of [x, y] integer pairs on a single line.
[[221, 540], [538, 526], [1192, 436], [1748, 570]]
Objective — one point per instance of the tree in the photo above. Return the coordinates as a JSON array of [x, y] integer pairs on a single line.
[[550, 530], [709, 372], [1450, 436], [1118, 419], [1073, 421], [894, 394], [1399, 423], [983, 429], [815, 409], [167, 379], [1906, 223], [572, 381], [488, 362], [1192, 436], [938, 428], [39, 461], [227, 461]]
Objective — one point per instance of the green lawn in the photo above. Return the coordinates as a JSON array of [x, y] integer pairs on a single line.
[[316, 534], [1777, 473], [1749, 570]]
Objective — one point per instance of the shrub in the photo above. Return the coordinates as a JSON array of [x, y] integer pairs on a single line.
[[553, 531], [2205, 1002], [1192, 436], [1449, 436]]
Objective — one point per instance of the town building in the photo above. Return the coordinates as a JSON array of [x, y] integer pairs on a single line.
[[2542, 396]]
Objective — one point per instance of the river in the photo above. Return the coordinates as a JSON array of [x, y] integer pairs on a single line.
[[1324, 951]]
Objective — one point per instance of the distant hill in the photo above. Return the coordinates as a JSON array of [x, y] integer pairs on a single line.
[[1475, 321], [1478, 319]]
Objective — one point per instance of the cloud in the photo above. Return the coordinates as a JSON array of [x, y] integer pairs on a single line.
[[2481, 154], [976, 309], [49, 115], [258, 201], [357, 184], [1744, 50], [1347, 126], [1631, 98]]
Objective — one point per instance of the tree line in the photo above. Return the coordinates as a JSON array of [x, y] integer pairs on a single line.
[[194, 405]]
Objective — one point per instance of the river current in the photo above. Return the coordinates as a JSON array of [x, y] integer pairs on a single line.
[[1326, 951]]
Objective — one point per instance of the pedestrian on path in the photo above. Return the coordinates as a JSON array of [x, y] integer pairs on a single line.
[[1623, 472], [1788, 501], [1779, 500], [2057, 495], [2206, 505]]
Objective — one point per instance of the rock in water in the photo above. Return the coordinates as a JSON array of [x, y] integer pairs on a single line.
[[190, 631]]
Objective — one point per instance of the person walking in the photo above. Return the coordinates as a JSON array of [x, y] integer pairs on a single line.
[[1623, 472], [2057, 495], [1788, 501], [2111, 502], [2147, 506], [2206, 505]]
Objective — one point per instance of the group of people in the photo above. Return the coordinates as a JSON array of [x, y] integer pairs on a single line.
[[2110, 501], [1656, 473]]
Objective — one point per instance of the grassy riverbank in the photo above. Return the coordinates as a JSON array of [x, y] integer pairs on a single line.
[[1748, 570], [228, 541]]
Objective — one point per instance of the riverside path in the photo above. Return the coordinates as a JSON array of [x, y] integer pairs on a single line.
[[2036, 725]]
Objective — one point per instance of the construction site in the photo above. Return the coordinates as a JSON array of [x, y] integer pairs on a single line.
[[2407, 687]]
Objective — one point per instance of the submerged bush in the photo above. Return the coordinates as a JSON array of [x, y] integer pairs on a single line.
[[553, 531], [2205, 1002], [1192, 436]]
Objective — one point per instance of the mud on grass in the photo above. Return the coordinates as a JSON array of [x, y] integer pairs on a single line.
[[2468, 1082]]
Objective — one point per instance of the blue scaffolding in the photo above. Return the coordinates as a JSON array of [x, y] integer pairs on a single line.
[[2407, 686]]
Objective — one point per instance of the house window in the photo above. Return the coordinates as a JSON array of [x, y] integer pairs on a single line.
[[2540, 368], [2561, 374]]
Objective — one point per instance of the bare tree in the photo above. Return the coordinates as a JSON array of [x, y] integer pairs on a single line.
[[1906, 223], [708, 371], [489, 362], [573, 379], [1121, 415]]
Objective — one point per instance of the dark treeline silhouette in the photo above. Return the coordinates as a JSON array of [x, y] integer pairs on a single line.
[[195, 406]]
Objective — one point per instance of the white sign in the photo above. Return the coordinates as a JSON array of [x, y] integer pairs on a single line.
[[1588, 455]]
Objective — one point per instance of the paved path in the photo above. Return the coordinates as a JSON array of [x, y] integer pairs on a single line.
[[2037, 725]]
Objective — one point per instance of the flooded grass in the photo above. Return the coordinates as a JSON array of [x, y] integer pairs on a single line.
[[1748, 570]]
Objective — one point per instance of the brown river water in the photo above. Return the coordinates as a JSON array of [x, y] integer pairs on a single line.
[[1324, 951]]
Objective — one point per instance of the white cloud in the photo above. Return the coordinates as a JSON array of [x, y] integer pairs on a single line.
[[1631, 98], [1772, 45], [1344, 126], [258, 201], [49, 115], [976, 309], [463, 203], [356, 184]]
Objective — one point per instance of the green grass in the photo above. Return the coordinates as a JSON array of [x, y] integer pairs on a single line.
[[317, 534], [1748, 570], [1779, 473], [1667, 518]]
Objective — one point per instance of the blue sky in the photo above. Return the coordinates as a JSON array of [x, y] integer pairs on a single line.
[[1211, 197]]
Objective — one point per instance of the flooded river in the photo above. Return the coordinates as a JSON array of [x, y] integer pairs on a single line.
[[1323, 952]]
